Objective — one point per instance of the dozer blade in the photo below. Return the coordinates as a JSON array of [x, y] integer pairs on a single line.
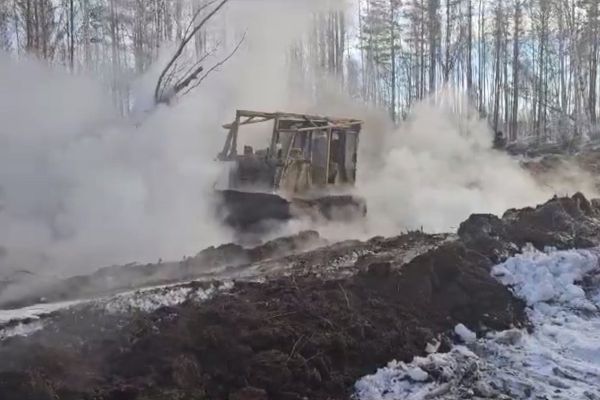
[[257, 212], [251, 211]]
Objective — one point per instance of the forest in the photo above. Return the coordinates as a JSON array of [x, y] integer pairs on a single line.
[[530, 67], [412, 210]]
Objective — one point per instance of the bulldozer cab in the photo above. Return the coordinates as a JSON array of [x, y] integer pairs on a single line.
[[305, 153]]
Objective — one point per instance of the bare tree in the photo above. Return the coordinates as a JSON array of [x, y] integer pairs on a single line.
[[592, 12], [181, 76], [515, 72], [434, 38], [470, 48], [72, 34], [4, 26]]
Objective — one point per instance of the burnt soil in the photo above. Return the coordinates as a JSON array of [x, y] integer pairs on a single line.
[[336, 313]]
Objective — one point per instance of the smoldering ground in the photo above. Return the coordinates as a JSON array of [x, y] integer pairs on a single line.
[[82, 188]]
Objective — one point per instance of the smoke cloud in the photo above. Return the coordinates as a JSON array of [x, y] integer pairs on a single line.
[[439, 167], [82, 188]]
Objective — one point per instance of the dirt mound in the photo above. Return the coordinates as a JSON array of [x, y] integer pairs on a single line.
[[314, 338], [285, 339], [318, 322], [110, 280], [566, 222], [289, 338]]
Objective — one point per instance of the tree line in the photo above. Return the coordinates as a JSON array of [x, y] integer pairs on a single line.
[[115, 39], [529, 66]]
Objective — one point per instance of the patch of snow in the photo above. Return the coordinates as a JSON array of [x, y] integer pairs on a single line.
[[151, 299], [433, 346], [21, 329], [348, 260], [33, 312], [551, 276], [465, 334], [146, 301], [560, 359], [25, 321], [395, 380], [417, 374], [510, 337]]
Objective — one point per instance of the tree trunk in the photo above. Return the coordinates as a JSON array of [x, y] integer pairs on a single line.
[[392, 23], [514, 134], [593, 69], [433, 42], [448, 41], [71, 34], [470, 48]]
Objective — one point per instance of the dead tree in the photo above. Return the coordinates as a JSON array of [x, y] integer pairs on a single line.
[[180, 76]]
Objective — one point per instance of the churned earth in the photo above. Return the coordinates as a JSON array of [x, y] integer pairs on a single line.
[[294, 318]]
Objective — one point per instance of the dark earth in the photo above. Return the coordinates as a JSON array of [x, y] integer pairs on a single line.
[[322, 316]]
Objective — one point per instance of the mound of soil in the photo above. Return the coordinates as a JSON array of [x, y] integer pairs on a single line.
[[284, 339], [563, 223], [334, 315], [115, 279], [312, 338]]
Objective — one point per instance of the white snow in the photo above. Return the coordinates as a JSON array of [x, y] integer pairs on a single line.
[[151, 299], [560, 359], [33, 312], [21, 329], [27, 320], [433, 346], [146, 300], [417, 374], [396, 381], [465, 334], [551, 276]]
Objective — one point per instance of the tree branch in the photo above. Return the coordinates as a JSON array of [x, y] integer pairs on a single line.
[[220, 63], [185, 41]]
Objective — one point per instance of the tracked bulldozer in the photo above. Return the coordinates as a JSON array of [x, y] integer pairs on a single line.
[[306, 167]]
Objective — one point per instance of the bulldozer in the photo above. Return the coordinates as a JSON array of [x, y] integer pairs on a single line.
[[306, 167]]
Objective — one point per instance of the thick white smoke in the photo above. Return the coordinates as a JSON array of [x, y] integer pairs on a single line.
[[81, 188], [439, 166]]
